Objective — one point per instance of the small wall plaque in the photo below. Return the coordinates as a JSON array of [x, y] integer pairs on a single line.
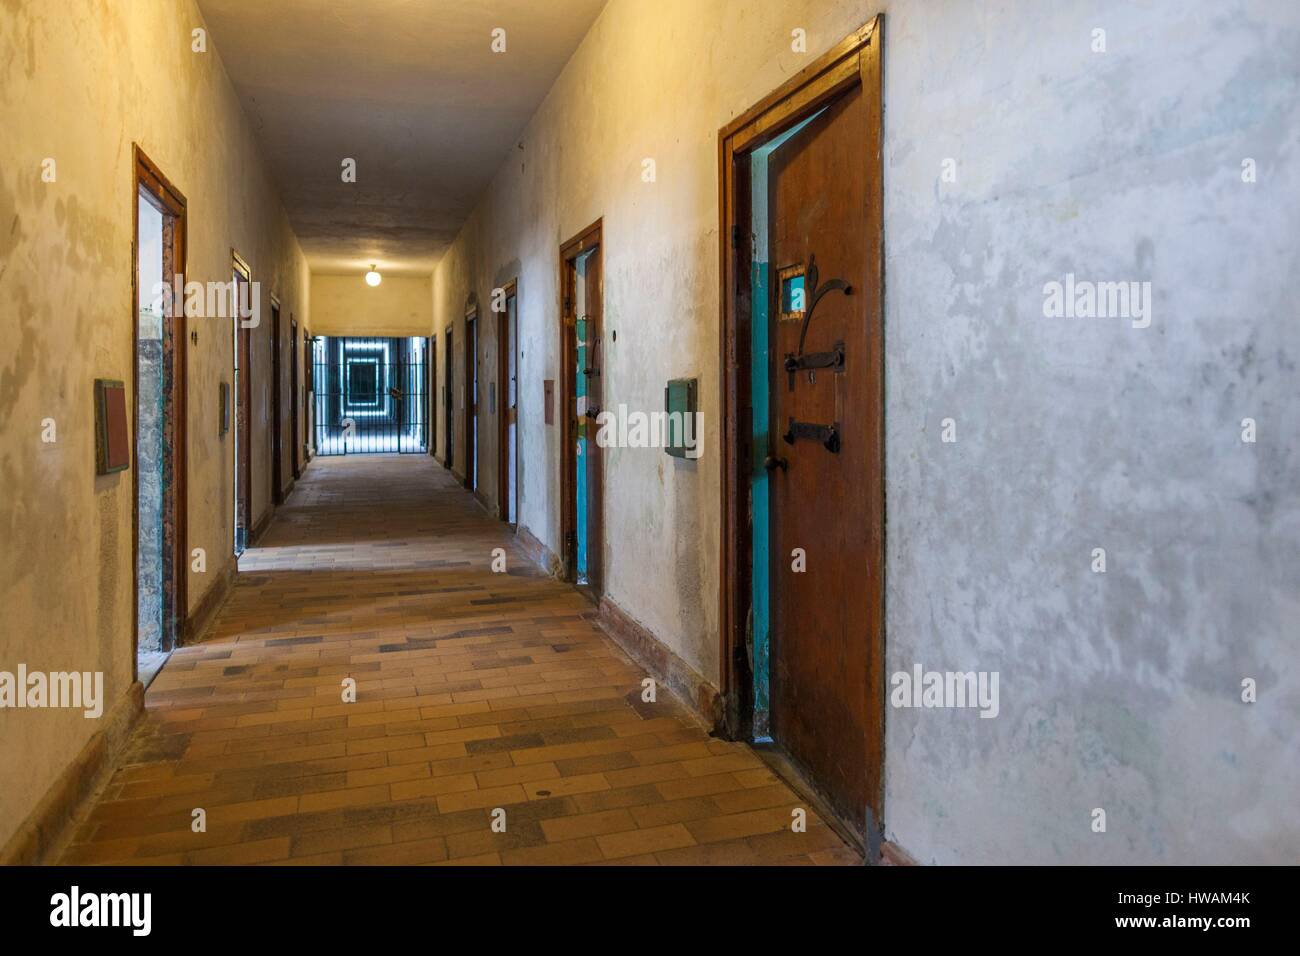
[[112, 436], [548, 388], [681, 402]]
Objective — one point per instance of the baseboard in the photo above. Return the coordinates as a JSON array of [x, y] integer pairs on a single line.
[[891, 854], [45, 825], [538, 553], [259, 529], [661, 662], [209, 605]]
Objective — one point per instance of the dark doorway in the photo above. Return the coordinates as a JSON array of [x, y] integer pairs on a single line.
[[243, 376], [277, 447], [370, 395], [582, 509], [803, 428], [449, 403], [159, 473], [471, 400], [507, 415]]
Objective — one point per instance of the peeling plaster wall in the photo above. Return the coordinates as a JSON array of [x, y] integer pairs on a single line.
[[1117, 690], [345, 305], [1121, 690], [80, 82]]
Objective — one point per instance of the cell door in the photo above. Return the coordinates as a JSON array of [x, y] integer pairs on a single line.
[[471, 402], [507, 357], [826, 480], [448, 402]]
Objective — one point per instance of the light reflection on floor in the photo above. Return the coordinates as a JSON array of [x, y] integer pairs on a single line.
[[364, 444]]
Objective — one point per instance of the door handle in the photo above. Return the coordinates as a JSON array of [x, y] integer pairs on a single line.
[[772, 463]]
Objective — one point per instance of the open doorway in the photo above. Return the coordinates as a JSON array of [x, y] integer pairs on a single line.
[[803, 430], [159, 475], [242, 337], [507, 416], [582, 291], [471, 399]]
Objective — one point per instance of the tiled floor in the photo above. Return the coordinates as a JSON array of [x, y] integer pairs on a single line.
[[475, 691]]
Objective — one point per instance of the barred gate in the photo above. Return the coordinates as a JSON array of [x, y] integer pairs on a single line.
[[371, 395]]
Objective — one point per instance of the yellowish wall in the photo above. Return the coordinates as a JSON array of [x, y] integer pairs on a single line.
[[650, 81], [345, 305], [80, 82]]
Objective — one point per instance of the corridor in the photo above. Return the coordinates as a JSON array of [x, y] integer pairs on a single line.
[[851, 433], [475, 691]]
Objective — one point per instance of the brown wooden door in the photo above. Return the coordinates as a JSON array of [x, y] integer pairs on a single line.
[[826, 698], [277, 476]]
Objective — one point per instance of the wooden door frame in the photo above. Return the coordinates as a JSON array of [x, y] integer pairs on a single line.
[[308, 407], [295, 403], [243, 341], [470, 424], [146, 174], [504, 344], [588, 238], [855, 60], [431, 402], [449, 399], [277, 443]]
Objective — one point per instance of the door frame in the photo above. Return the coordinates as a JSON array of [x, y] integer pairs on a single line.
[[470, 393], [277, 443], [146, 174], [588, 238], [431, 398], [853, 61], [295, 400], [449, 400], [505, 344], [243, 400]]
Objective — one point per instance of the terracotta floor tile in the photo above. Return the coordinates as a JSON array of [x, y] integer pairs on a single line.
[[370, 570]]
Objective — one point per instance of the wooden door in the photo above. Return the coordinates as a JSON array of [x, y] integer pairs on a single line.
[[589, 363], [448, 402], [471, 401], [506, 402], [826, 457], [294, 398], [277, 476]]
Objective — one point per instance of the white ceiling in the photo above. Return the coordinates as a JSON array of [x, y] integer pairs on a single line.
[[410, 89]]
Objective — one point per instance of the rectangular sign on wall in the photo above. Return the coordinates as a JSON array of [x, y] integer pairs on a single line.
[[112, 437]]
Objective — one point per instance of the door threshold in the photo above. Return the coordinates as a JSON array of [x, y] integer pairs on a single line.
[[780, 764], [149, 668]]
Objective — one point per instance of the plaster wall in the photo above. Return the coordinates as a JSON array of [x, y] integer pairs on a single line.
[[1119, 691], [80, 82], [345, 305]]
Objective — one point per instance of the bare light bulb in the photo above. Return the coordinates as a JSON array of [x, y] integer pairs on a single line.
[[373, 277]]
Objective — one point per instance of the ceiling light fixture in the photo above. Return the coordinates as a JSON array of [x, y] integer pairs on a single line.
[[373, 277]]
